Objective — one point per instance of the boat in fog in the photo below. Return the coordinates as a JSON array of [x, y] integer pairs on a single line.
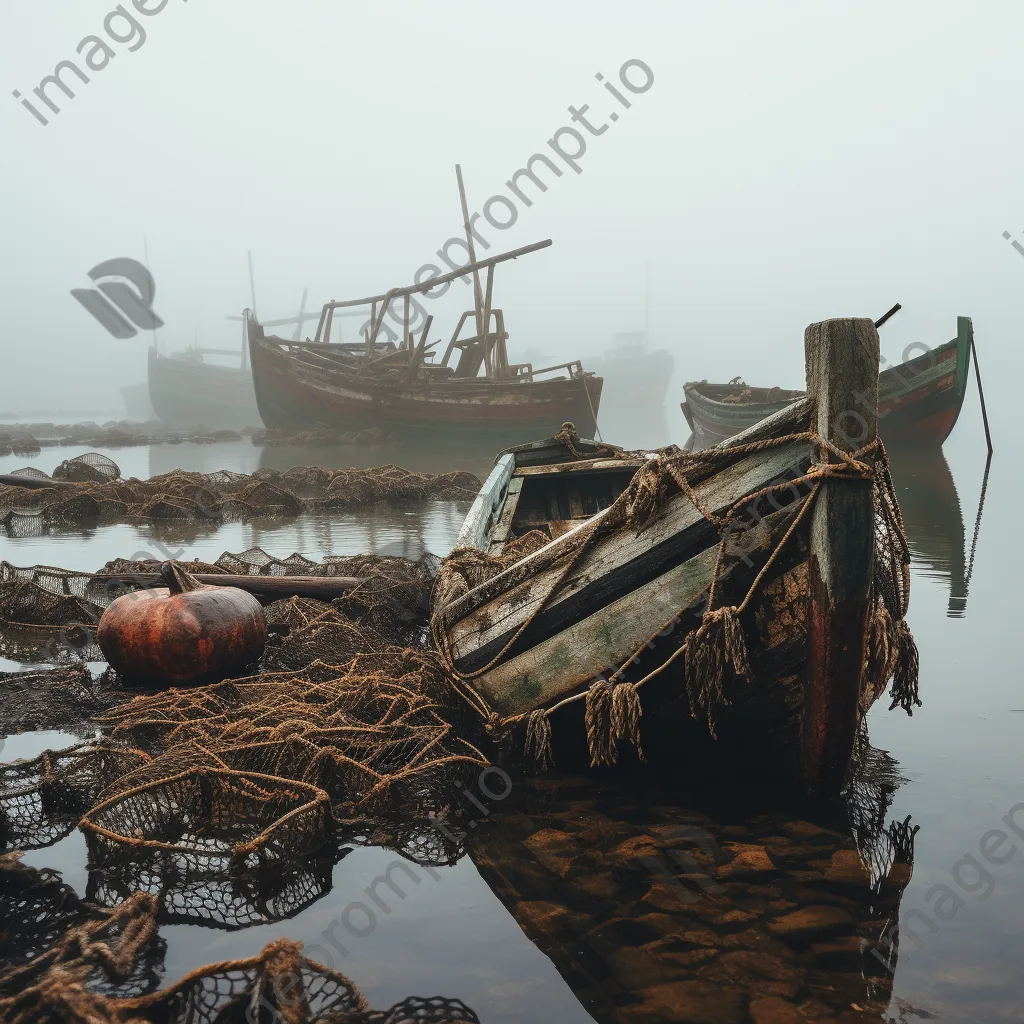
[[918, 400]]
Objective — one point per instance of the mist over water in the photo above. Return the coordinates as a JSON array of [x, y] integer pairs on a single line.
[[782, 164]]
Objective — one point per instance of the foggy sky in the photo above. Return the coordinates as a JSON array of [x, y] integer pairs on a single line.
[[790, 162]]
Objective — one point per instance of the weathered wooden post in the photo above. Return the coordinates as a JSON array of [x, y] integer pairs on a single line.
[[841, 358]]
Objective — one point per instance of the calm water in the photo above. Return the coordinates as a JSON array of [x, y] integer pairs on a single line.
[[560, 911]]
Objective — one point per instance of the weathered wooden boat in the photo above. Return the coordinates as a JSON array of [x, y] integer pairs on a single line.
[[184, 389], [735, 598], [398, 386], [137, 405], [188, 390], [636, 376], [918, 400]]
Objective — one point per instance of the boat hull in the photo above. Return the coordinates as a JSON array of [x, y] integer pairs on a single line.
[[918, 401], [191, 393], [292, 393]]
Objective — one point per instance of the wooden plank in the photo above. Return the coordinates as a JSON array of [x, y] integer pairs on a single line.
[[325, 588], [575, 502], [485, 505], [500, 532], [586, 466], [564, 663], [784, 421], [483, 622], [842, 380]]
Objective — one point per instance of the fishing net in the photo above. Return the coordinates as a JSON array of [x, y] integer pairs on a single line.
[[209, 822], [42, 798], [61, 698], [278, 985], [87, 491], [36, 908]]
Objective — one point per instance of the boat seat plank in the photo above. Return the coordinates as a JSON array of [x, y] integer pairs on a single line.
[[585, 466]]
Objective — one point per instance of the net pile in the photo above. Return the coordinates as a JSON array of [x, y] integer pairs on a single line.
[[49, 614], [61, 698], [31, 438], [87, 495]]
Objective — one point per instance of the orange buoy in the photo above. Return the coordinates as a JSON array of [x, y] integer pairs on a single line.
[[182, 633]]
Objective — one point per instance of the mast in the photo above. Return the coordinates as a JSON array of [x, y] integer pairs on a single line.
[[252, 292], [477, 297], [145, 253]]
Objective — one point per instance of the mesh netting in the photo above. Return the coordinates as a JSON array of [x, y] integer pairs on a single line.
[[42, 798], [36, 908], [66, 960], [224, 820], [88, 490]]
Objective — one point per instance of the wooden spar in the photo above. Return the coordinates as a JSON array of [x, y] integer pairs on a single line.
[[320, 325], [323, 587], [406, 342], [432, 283], [31, 482], [477, 301], [885, 316], [841, 358], [417, 355]]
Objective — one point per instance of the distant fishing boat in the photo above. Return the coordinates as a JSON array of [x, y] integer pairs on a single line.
[[399, 388], [634, 374], [137, 405], [186, 390], [918, 400], [621, 597]]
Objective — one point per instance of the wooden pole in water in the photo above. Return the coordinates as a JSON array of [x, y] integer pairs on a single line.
[[841, 358]]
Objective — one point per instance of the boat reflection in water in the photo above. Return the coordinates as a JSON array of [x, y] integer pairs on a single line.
[[652, 911], [933, 518]]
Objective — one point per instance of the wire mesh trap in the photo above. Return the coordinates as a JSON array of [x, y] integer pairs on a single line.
[[36, 908], [229, 821], [42, 798], [89, 975]]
